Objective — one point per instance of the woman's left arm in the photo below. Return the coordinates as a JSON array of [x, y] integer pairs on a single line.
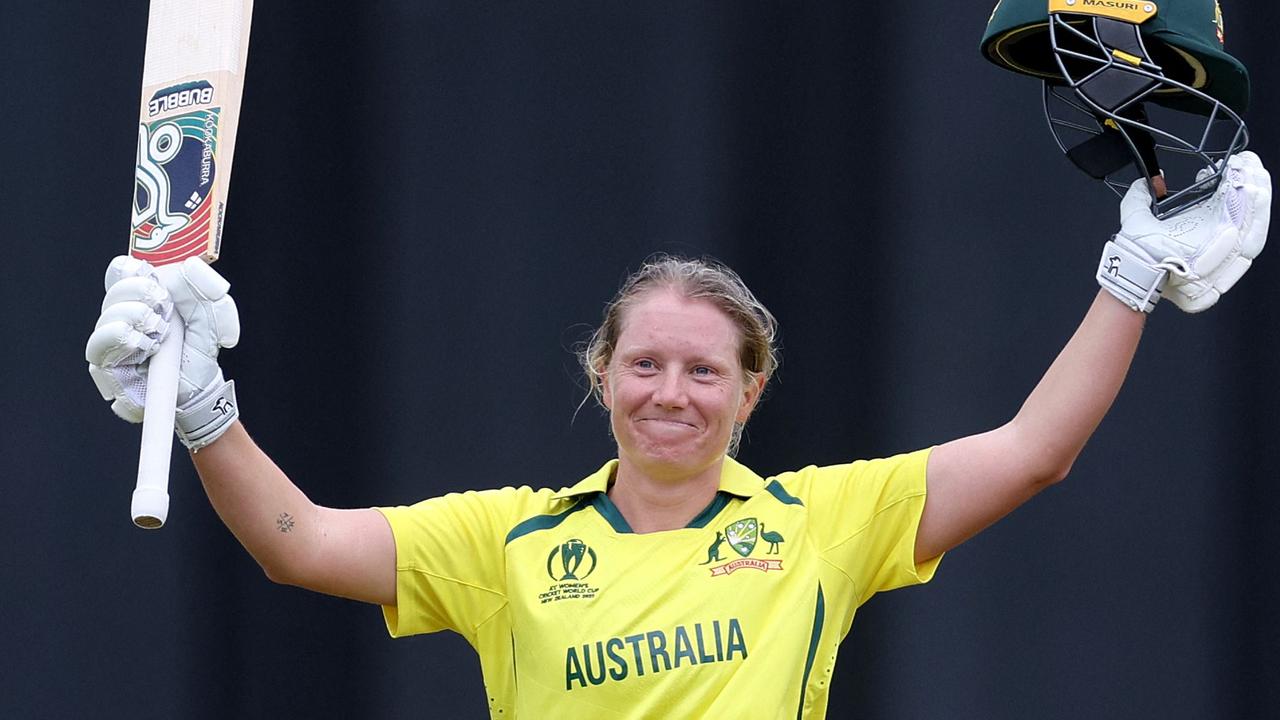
[[976, 480], [1191, 259]]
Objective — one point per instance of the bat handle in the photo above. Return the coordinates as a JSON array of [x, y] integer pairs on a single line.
[[150, 506]]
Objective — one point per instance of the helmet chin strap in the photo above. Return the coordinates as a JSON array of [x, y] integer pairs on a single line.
[[1116, 147]]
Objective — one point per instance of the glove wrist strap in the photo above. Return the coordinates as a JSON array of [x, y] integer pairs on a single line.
[[208, 415], [1130, 276]]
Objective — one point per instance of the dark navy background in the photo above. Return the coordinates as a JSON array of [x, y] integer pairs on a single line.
[[432, 201]]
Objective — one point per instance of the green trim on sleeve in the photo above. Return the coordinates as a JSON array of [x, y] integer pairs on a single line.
[[544, 522], [775, 489]]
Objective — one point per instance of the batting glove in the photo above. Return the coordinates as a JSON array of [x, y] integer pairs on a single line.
[[1193, 257], [137, 312]]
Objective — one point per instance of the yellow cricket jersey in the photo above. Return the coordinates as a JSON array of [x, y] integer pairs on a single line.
[[737, 615]]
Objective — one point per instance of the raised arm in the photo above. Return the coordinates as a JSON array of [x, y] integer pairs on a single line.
[[976, 480], [1191, 258], [350, 553]]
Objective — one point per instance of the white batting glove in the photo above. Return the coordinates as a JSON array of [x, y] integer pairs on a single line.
[[1195, 256], [136, 314]]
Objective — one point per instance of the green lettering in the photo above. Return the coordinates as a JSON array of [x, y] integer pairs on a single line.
[[619, 672], [594, 678], [702, 653], [585, 665], [736, 640], [658, 648], [683, 648], [572, 669], [635, 647]]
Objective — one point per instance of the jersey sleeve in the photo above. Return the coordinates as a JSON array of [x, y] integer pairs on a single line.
[[865, 516], [450, 561]]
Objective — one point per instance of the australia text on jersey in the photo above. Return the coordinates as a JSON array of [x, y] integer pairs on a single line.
[[655, 651]]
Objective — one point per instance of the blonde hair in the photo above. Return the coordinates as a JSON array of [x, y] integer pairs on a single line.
[[702, 279]]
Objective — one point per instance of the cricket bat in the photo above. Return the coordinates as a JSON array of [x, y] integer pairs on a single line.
[[191, 84]]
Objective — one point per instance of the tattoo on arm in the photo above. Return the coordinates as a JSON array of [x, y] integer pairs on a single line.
[[285, 522]]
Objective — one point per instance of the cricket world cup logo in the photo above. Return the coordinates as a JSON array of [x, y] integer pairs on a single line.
[[571, 554]]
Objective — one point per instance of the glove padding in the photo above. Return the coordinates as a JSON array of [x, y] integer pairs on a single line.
[[1193, 257], [137, 312]]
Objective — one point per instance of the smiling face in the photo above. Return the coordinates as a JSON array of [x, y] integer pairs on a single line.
[[675, 386]]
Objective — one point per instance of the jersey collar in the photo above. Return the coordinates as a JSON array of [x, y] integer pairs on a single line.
[[735, 479]]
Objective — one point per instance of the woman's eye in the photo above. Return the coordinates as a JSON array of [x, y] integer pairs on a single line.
[[645, 364], [703, 370]]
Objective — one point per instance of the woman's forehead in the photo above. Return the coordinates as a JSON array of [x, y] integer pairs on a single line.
[[666, 312]]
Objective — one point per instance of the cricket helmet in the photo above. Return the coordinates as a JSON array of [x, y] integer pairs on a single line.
[[1132, 88]]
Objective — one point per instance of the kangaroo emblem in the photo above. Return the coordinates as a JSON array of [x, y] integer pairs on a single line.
[[773, 538], [713, 552]]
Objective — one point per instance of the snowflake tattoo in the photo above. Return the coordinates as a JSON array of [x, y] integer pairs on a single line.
[[284, 522]]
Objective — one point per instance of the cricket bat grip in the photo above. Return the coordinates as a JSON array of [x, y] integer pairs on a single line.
[[150, 506]]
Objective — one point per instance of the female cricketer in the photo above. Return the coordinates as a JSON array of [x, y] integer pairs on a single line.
[[672, 582]]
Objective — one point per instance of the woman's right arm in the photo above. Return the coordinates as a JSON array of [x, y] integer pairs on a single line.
[[348, 553]]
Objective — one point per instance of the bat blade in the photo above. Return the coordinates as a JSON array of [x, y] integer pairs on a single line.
[[192, 80]]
